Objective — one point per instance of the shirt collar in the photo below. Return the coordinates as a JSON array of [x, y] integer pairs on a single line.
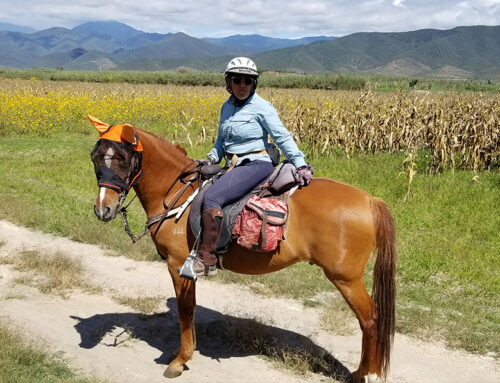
[[249, 100]]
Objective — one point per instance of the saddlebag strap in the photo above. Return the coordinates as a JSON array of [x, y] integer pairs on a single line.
[[263, 231], [235, 157]]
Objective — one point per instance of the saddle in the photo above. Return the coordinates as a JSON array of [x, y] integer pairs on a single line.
[[282, 180]]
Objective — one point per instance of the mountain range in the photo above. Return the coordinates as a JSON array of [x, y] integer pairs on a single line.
[[461, 52]]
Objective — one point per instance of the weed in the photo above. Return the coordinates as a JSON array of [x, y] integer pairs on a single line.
[[146, 305], [51, 273], [284, 349], [337, 317], [24, 362]]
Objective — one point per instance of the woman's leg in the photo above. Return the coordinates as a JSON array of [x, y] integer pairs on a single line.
[[227, 189], [236, 183]]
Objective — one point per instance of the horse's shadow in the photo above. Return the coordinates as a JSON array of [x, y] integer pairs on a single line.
[[218, 336]]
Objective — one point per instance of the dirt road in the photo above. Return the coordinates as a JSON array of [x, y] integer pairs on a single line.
[[105, 339]]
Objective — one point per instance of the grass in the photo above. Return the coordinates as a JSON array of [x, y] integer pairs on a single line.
[[51, 273], [330, 82], [146, 305], [384, 83], [267, 80], [50, 185], [284, 350], [337, 317], [26, 362], [448, 244]]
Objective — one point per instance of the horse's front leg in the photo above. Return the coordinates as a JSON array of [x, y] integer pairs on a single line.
[[186, 304]]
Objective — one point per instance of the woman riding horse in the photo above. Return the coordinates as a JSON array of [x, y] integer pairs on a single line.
[[332, 225], [246, 121]]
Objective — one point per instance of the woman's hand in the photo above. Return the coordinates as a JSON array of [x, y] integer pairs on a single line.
[[305, 174], [203, 162]]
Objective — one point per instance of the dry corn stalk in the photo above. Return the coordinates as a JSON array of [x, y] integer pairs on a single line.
[[457, 130]]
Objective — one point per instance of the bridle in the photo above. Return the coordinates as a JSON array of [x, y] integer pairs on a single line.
[[108, 178]]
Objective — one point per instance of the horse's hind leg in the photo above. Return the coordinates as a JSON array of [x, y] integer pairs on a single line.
[[358, 299], [186, 303]]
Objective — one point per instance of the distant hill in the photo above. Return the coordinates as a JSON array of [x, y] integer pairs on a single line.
[[8, 27], [107, 30], [174, 46], [458, 53], [252, 44], [110, 44], [206, 64], [18, 50]]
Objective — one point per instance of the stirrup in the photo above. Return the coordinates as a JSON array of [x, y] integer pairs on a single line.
[[202, 270], [186, 270]]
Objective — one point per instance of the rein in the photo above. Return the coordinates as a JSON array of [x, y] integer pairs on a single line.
[[133, 237], [171, 210]]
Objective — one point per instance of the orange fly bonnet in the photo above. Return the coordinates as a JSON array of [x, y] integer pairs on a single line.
[[124, 133]]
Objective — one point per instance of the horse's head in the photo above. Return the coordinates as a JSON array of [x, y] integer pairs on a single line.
[[117, 158]]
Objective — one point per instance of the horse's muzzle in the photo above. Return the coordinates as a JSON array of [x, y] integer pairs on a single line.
[[105, 213]]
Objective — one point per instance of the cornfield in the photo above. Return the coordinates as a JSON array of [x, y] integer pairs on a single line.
[[457, 131]]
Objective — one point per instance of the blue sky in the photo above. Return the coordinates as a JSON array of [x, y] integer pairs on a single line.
[[287, 19]]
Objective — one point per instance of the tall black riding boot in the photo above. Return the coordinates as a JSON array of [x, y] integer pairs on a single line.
[[205, 262]]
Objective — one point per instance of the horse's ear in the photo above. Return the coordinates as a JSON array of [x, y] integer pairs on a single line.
[[128, 134], [99, 125]]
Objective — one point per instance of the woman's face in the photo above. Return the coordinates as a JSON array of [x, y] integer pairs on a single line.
[[241, 86]]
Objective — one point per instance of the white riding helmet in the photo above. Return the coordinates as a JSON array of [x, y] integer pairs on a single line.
[[242, 65]]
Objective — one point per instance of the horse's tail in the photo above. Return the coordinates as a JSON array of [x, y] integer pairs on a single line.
[[384, 286]]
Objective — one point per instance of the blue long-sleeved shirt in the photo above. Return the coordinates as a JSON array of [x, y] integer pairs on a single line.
[[246, 128]]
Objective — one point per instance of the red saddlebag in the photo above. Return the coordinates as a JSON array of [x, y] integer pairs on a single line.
[[261, 222]]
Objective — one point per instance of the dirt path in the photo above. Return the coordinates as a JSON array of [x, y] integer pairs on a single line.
[[108, 340]]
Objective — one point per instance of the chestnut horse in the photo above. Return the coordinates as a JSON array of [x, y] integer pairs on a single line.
[[331, 224]]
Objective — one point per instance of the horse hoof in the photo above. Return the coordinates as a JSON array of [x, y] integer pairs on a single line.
[[373, 378], [172, 372], [370, 378]]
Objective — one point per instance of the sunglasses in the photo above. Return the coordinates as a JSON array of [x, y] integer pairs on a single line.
[[238, 80]]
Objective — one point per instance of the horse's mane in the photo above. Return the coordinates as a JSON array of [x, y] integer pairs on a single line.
[[163, 141], [181, 148]]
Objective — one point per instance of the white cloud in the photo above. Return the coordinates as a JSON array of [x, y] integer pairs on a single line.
[[295, 18], [488, 3]]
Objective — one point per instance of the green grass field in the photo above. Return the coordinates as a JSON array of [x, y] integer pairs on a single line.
[[448, 273], [23, 361]]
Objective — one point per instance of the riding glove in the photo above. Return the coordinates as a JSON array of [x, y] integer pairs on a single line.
[[305, 174], [204, 162]]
